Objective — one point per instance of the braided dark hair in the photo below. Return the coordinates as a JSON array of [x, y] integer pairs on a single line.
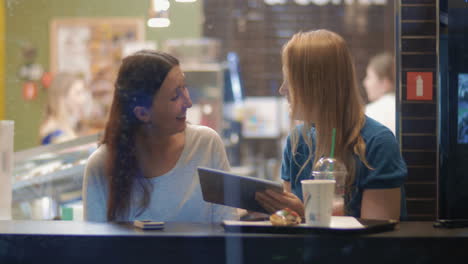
[[139, 79]]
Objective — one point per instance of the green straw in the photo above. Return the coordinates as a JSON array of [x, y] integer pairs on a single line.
[[332, 151]]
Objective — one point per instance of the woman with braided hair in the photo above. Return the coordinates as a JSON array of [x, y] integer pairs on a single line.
[[146, 165]]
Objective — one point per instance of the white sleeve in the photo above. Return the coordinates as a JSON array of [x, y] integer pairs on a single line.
[[220, 160], [94, 188]]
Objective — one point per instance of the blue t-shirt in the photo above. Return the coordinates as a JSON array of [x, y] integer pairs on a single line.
[[382, 154], [49, 138]]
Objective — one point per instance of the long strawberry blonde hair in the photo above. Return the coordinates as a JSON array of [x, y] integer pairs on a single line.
[[323, 91]]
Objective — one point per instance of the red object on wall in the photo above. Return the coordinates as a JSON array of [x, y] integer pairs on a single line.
[[46, 79], [419, 86], [29, 91]]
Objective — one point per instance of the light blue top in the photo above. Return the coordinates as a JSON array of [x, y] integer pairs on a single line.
[[176, 196], [382, 153]]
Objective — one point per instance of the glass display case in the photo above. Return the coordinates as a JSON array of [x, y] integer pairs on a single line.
[[50, 176]]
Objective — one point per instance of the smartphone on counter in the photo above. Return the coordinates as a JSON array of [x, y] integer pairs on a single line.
[[148, 224]]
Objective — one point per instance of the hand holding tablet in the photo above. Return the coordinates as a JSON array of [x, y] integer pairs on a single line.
[[221, 187]]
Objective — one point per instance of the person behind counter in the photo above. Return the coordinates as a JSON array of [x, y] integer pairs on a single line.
[[380, 88], [67, 105], [146, 165], [320, 85]]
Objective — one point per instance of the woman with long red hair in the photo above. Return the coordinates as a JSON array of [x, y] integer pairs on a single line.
[[321, 88]]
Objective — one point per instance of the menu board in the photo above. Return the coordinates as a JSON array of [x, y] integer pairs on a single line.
[[87, 46]]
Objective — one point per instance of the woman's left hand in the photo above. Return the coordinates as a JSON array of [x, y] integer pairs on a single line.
[[273, 201]]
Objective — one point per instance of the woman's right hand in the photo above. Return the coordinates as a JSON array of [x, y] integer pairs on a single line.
[[338, 208], [273, 201]]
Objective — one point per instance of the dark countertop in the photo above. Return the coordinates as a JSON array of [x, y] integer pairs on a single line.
[[83, 242]]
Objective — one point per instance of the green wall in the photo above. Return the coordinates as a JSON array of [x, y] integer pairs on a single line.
[[27, 21]]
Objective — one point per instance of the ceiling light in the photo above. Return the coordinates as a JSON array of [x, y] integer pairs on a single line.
[[160, 5], [158, 22], [158, 14]]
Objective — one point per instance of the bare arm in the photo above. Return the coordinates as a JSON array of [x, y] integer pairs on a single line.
[[381, 204], [338, 207], [273, 201]]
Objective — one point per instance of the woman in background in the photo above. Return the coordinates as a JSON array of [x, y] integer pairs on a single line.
[[68, 102], [146, 167], [321, 88], [380, 87]]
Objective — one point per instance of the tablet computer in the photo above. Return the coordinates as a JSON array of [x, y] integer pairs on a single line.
[[221, 187]]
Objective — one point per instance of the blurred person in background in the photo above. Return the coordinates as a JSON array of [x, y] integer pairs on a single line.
[[380, 88], [68, 104], [101, 86]]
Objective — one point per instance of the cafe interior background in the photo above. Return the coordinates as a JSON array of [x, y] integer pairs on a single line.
[[229, 50]]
